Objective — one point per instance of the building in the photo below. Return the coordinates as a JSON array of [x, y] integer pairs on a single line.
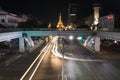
[[96, 8], [96, 13], [10, 20], [110, 22], [73, 15]]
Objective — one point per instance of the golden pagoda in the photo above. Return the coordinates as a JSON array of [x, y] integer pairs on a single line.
[[60, 25], [49, 25]]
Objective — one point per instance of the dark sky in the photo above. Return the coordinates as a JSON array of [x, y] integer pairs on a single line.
[[48, 10]]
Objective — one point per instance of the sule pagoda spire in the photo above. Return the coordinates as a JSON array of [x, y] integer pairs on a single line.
[[60, 25]]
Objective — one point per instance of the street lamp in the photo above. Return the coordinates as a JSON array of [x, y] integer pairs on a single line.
[[71, 37], [62, 64], [62, 51]]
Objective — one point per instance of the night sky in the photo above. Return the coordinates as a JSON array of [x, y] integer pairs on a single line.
[[48, 10]]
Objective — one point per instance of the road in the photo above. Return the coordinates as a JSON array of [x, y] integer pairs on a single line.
[[46, 66], [88, 66], [79, 64], [16, 69], [50, 67]]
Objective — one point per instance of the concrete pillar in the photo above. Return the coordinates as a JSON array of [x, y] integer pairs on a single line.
[[97, 44], [47, 39], [87, 41], [21, 44]]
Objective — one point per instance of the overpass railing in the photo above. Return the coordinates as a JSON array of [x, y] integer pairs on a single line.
[[46, 29], [109, 30], [34, 29], [10, 29]]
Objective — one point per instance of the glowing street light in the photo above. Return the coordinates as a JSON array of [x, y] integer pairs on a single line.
[[71, 37]]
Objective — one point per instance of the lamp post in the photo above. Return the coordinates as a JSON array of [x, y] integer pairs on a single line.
[[62, 52], [62, 62]]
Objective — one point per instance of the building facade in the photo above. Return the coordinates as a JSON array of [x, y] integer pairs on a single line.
[[96, 13], [10, 20], [73, 15], [110, 22]]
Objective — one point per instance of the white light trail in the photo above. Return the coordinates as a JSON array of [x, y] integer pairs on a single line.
[[33, 62], [58, 54], [39, 63]]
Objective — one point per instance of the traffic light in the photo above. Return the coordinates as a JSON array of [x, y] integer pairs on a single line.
[[80, 38]]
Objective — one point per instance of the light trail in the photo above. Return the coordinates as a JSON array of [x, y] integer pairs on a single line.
[[39, 63], [33, 62], [58, 54]]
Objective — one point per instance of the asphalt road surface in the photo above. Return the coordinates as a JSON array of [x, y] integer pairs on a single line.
[[79, 64], [50, 67], [89, 66]]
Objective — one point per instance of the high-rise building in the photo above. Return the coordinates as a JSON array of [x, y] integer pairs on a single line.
[[96, 8], [96, 13], [73, 14]]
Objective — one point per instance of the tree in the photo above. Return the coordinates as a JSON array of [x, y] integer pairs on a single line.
[[32, 23]]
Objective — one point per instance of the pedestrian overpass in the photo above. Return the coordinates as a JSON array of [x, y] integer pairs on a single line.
[[28, 34]]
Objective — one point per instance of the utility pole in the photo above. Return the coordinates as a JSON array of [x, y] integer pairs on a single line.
[[62, 64], [62, 52]]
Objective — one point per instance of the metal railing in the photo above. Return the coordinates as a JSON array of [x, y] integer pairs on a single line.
[[46, 29], [10, 29]]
